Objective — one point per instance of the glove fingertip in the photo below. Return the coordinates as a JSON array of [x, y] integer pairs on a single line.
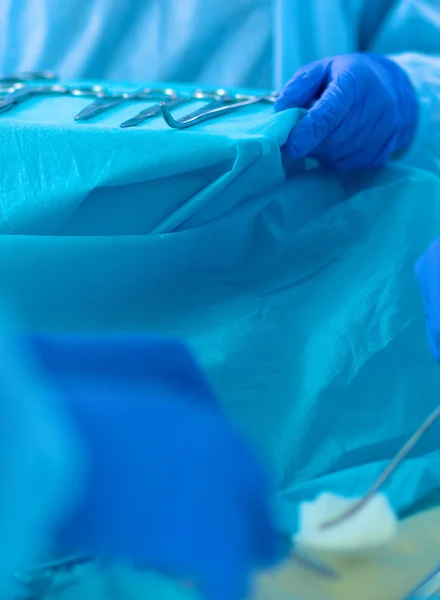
[[293, 96], [292, 149], [304, 86], [280, 104]]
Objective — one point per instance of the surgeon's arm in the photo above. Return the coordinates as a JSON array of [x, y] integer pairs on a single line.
[[424, 74], [378, 103], [410, 35]]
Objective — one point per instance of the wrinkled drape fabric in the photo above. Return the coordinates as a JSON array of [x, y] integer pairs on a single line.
[[301, 305], [297, 296]]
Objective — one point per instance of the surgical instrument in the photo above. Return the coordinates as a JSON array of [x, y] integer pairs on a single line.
[[314, 565], [37, 77], [386, 474], [86, 91], [152, 111], [214, 96], [7, 88], [220, 107], [23, 92], [108, 102], [220, 98], [40, 579], [429, 588]]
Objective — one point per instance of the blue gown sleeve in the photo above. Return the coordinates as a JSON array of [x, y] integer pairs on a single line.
[[424, 74], [409, 33]]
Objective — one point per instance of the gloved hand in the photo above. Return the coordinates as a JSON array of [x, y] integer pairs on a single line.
[[428, 274], [363, 110], [171, 486]]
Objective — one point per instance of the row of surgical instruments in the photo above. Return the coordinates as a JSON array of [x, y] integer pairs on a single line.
[[16, 89]]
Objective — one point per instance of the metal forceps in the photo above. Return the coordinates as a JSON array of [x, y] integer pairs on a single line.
[[37, 76], [387, 473], [214, 96], [40, 581], [21, 92], [109, 101], [223, 105]]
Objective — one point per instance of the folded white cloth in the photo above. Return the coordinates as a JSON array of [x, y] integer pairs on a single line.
[[373, 526]]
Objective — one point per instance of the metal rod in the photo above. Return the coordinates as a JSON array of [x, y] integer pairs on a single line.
[[386, 474]]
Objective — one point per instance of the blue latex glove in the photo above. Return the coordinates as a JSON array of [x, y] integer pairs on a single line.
[[428, 274], [363, 111], [171, 486]]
